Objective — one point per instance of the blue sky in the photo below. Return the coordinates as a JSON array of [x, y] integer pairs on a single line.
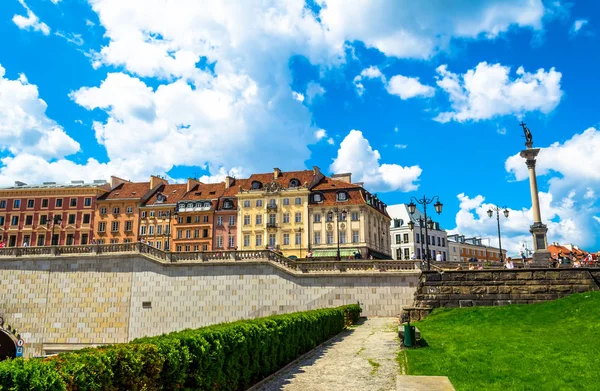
[[412, 98]]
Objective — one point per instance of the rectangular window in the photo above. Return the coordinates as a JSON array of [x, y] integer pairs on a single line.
[[317, 237], [129, 226], [272, 219], [16, 204], [70, 240], [418, 238], [158, 245], [354, 236], [2, 220], [258, 240], [220, 221], [231, 220], [246, 204], [439, 241], [286, 239], [152, 213], [58, 203], [317, 217], [286, 218], [115, 226], [204, 247], [298, 238], [188, 219], [73, 202], [298, 201], [329, 216], [343, 216], [405, 238], [116, 241], [41, 239], [150, 230], [86, 218], [116, 210], [28, 220], [298, 217], [196, 247], [196, 233], [259, 203], [87, 201], [205, 218], [26, 240], [231, 241], [72, 218], [179, 233], [205, 233], [143, 214], [129, 209], [143, 230], [30, 203], [102, 226], [188, 233], [343, 237], [219, 241], [272, 239], [14, 220], [258, 219], [329, 237], [398, 253], [2, 204], [247, 220], [355, 216], [178, 248], [286, 201], [197, 219], [45, 203], [398, 241], [246, 240]]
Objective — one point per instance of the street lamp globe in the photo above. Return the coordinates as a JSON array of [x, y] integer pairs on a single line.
[[506, 213], [438, 207], [412, 208], [430, 224], [411, 225], [490, 212]]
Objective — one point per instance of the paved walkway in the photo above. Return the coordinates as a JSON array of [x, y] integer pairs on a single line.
[[362, 358]]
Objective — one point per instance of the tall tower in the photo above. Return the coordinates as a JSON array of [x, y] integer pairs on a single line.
[[538, 229]]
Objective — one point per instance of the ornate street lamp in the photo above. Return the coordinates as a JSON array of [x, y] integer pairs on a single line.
[[412, 207], [490, 213], [338, 213]]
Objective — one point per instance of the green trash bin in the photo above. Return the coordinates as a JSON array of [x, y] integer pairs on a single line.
[[409, 335]]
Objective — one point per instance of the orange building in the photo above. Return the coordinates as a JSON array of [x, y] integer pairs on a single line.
[[226, 215], [117, 211], [193, 230]]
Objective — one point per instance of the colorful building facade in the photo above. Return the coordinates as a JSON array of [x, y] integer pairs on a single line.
[[49, 214]]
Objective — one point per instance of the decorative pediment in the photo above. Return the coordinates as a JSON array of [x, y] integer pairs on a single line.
[[272, 187]]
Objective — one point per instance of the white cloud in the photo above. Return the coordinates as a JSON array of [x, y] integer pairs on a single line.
[[402, 86], [577, 25], [298, 96], [358, 157], [31, 21], [501, 130], [400, 146], [597, 218], [330, 141], [489, 91], [320, 133], [55, 1], [24, 126], [396, 129], [314, 90], [71, 37]]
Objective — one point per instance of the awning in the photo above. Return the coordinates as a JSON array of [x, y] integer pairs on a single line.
[[344, 252]]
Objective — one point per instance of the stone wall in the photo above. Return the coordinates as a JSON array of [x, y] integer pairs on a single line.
[[68, 302], [501, 287]]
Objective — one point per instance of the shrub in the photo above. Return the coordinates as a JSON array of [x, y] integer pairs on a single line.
[[228, 356]]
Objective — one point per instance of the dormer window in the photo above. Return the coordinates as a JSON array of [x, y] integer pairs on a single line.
[[227, 204], [294, 183], [190, 205], [256, 185], [342, 196], [318, 197], [207, 204]]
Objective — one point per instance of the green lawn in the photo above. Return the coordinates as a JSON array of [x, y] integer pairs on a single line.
[[546, 346]]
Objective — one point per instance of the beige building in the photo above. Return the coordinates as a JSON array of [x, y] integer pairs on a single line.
[[346, 216], [273, 211], [463, 249]]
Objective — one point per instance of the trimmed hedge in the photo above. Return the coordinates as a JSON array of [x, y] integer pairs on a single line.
[[228, 356]]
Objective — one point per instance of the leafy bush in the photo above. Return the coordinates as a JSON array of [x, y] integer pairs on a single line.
[[228, 356]]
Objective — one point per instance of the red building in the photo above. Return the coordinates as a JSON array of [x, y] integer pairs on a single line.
[[48, 214]]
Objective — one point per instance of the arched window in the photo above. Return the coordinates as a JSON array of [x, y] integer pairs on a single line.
[[342, 196], [294, 182], [256, 185]]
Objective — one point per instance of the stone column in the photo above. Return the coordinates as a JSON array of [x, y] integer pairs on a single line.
[[538, 229]]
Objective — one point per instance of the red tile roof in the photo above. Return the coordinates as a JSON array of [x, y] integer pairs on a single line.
[[556, 249], [328, 184], [205, 191], [127, 190], [174, 193], [305, 177]]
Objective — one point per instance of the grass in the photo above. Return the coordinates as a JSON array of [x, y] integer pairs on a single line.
[[547, 346], [375, 365]]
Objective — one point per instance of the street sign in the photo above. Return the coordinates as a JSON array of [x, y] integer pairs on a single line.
[[19, 351], [20, 342]]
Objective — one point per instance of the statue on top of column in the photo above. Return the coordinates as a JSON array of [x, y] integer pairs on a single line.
[[528, 136]]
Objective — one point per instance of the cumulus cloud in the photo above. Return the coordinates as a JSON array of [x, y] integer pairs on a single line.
[[24, 126], [402, 86], [578, 25], [320, 133], [31, 21], [330, 141], [358, 157], [490, 91], [313, 91]]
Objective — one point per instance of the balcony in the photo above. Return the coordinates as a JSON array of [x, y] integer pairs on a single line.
[[272, 207], [271, 225]]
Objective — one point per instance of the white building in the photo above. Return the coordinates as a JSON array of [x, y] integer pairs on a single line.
[[405, 241]]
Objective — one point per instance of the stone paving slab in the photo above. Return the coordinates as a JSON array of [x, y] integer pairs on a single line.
[[429, 383]]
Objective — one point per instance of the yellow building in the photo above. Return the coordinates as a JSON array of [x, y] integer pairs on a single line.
[[273, 211], [118, 211]]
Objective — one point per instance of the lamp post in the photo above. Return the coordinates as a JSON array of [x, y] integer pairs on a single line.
[[301, 230], [438, 208], [337, 219], [490, 213], [411, 225], [56, 219]]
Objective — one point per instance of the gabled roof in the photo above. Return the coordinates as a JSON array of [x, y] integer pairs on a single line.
[[127, 190], [173, 194]]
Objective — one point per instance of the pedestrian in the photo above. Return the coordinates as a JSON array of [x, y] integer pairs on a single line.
[[25, 244], [509, 264], [438, 257], [413, 256]]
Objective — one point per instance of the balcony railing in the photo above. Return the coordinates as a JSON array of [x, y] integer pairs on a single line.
[[271, 225], [272, 207]]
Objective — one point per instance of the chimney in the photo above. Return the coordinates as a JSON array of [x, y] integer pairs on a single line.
[[316, 170], [276, 173], [116, 181], [345, 177], [229, 181], [155, 180], [191, 183]]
